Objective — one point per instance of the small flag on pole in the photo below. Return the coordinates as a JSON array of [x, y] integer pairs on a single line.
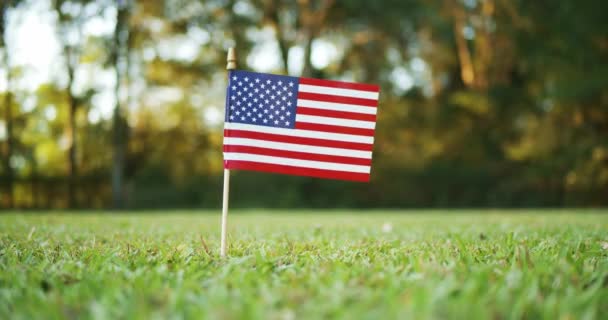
[[299, 126]]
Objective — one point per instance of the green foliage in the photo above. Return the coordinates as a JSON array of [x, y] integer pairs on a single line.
[[415, 264], [483, 103]]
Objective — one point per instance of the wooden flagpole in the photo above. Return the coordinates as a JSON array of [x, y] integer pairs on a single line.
[[230, 65]]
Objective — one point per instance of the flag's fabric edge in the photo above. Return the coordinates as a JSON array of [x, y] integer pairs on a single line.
[[297, 171]]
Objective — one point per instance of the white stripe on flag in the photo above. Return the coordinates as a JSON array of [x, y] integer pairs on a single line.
[[296, 162], [336, 121], [335, 106], [300, 133], [297, 147], [338, 91]]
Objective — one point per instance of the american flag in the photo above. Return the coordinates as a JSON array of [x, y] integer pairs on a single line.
[[299, 126]]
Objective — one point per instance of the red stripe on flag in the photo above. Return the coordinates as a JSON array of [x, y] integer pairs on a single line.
[[299, 171], [336, 114], [297, 140], [297, 155], [334, 129], [340, 84], [337, 99]]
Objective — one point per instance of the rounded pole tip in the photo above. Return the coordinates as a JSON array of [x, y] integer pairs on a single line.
[[231, 59]]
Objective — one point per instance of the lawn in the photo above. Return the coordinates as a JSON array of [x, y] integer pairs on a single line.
[[485, 264]]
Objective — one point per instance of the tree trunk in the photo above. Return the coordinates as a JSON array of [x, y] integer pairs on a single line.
[[307, 69], [484, 44], [70, 53], [121, 44], [118, 159], [313, 21], [8, 152], [71, 131], [8, 115], [271, 13], [467, 71]]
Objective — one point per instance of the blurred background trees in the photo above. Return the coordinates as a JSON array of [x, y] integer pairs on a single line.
[[483, 102]]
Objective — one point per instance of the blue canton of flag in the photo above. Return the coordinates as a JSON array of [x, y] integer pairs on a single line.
[[262, 99]]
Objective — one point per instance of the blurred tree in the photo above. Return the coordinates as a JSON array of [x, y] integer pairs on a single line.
[[68, 34], [71, 16], [296, 22], [5, 6], [120, 60], [313, 15], [483, 102], [8, 117]]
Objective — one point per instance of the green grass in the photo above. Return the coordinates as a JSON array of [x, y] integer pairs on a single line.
[[306, 264]]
